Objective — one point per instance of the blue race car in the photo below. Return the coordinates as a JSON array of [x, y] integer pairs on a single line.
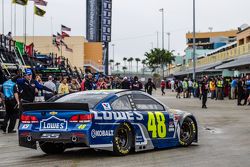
[[113, 120]]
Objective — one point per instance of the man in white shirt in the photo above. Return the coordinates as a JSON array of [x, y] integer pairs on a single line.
[[49, 84], [190, 87]]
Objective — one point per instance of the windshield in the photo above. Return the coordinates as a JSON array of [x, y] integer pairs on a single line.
[[91, 99]]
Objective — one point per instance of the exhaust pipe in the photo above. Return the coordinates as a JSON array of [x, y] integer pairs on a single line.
[[74, 139], [29, 138]]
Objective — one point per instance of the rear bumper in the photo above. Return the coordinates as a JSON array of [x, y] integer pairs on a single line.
[[29, 139]]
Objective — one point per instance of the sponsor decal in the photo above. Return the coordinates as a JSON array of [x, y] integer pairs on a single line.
[[118, 116], [101, 133], [53, 113], [82, 126], [53, 123], [106, 106], [171, 127], [25, 126]]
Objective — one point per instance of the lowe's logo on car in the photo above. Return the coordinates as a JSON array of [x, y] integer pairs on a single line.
[[118, 115], [101, 133], [53, 123]]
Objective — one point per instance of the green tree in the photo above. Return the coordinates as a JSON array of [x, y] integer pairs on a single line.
[[158, 58], [124, 68], [130, 60], [137, 62], [117, 66], [125, 61]]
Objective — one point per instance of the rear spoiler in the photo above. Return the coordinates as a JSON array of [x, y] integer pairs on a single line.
[[55, 106]]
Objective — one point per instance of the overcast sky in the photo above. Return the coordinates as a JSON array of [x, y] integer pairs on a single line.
[[135, 22]]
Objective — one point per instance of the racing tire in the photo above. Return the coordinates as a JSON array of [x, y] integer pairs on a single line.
[[52, 148], [187, 132], [123, 140]]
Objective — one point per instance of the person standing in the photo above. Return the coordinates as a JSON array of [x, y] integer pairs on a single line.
[[101, 84], [136, 84], [88, 84], [172, 85], [190, 88], [12, 104], [28, 87], [195, 88], [240, 91], [74, 86], [63, 87], [247, 85], [149, 86], [178, 89], [204, 92], [233, 88], [185, 88], [212, 88], [125, 83], [49, 84], [219, 93], [163, 86]]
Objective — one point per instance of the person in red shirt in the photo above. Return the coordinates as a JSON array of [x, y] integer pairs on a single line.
[[163, 86], [101, 84]]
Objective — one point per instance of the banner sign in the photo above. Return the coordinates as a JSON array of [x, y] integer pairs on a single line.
[[92, 21]]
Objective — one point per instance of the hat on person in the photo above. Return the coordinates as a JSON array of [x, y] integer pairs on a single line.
[[28, 72]]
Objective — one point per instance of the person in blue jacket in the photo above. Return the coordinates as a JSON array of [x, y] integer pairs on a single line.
[[28, 87], [12, 103]]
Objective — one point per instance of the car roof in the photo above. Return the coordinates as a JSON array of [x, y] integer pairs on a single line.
[[106, 91]]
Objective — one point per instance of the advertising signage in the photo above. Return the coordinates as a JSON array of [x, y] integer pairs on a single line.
[[106, 20], [92, 21]]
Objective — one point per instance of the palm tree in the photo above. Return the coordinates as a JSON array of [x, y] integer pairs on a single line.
[[159, 58], [130, 60], [117, 66], [125, 60], [137, 61], [124, 68], [111, 61], [143, 62]]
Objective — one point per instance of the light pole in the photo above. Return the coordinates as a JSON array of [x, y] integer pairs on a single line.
[[168, 41], [113, 46], [3, 17], [157, 39], [194, 59], [162, 10]]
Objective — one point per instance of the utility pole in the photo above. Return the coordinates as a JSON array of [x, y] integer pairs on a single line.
[[194, 47], [113, 47], [162, 10], [3, 17], [157, 38]]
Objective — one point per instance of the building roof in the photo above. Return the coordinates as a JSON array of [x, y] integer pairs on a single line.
[[230, 33], [240, 61], [198, 69]]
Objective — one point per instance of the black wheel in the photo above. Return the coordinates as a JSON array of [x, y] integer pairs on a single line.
[[187, 132], [52, 148], [123, 139]]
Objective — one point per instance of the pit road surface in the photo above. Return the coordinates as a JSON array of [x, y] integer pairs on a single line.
[[224, 140]]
